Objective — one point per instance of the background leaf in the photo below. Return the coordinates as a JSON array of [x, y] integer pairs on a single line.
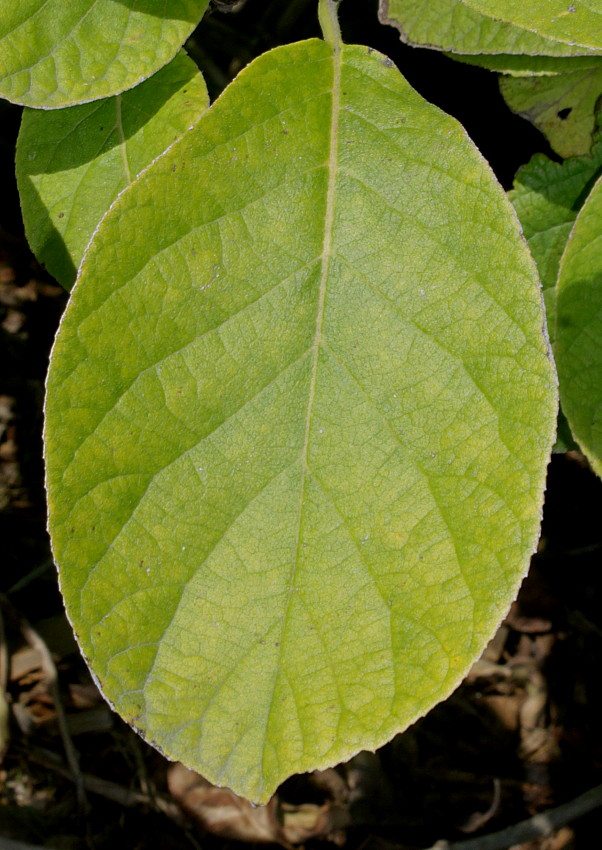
[[547, 197], [563, 107], [298, 419], [531, 66], [450, 25], [72, 163], [55, 53], [577, 23], [579, 329]]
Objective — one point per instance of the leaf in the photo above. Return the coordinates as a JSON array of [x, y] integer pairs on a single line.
[[72, 163], [449, 25], [563, 107], [547, 197], [298, 419], [579, 329], [575, 22], [529, 66], [55, 53]]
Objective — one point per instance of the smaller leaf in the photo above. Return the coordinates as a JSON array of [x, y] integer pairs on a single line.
[[56, 53], [72, 163], [547, 197], [562, 106], [575, 22], [579, 329], [449, 25]]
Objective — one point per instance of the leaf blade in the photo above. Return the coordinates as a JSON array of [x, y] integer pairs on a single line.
[[452, 26], [55, 54], [307, 633], [72, 163], [579, 307], [562, 106], [578, 23]]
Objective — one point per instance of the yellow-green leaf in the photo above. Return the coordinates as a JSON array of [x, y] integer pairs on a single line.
[[72, 163], [298, 420], [450, 25], [56, 53], [574, 22]]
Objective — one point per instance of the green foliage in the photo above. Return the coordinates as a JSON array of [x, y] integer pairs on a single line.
[[451, 25], [579, 328], [578, 23], [531, 66], [57, 53], [547, 197], [72, 163], [301, 404], [296, 429], [562, 106]]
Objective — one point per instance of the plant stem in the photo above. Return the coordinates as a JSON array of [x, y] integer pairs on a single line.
[[329, 21]]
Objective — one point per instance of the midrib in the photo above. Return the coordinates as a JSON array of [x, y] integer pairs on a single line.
[[325, 264]]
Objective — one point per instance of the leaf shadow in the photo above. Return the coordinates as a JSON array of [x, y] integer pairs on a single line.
[[177, 11]]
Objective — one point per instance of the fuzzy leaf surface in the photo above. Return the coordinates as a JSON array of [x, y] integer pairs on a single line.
[[578, 23], [56, 53], [72, 163], [563, 107], [452, 26], [298, 420], [529, 66], [547, 197], [579, 329]]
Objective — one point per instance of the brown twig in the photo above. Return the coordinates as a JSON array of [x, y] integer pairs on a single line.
[[126, 797], [539, 826]]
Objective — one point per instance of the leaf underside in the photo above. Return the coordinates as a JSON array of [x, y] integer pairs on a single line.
[[72, 163], [298, 419], [579, 328], [55, 53], [577, 23], [450, 25], [563, 107]]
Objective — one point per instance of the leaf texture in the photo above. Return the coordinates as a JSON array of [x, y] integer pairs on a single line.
[[56, 53], [298, 419], [450, 25], [531, 66], [72, 163], [563, 107], [547, 197], [579, 329], [574, 22]]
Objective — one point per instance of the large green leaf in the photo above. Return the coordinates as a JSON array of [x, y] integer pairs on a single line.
[[547, 197], [57, 53], [72, 163], [298, 419], [576, 23], [563, 106], [579, 328], [450, 25]]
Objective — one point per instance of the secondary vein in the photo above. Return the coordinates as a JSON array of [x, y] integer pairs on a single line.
[[121, 134]]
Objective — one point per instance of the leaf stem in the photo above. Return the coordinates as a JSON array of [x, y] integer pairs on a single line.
[[329, 21]]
